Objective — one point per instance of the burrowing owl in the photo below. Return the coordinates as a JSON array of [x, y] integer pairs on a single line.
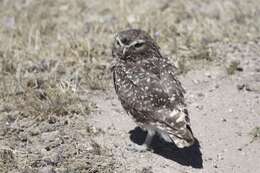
[[146, 85]]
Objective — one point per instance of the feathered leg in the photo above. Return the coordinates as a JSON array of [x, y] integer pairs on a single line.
[[147, 142]]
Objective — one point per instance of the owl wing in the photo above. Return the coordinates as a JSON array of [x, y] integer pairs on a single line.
[[166, 81], [152, 94], [174, 118], [148, 85]]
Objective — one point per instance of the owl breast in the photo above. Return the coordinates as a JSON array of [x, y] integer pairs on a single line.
[[144, 88]]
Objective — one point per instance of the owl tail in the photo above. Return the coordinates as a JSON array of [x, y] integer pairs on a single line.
[[179, 129]]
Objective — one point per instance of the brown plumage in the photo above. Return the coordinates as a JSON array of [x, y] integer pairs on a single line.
[[147, 87]]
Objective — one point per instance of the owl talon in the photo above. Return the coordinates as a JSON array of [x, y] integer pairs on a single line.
[[138, 148]]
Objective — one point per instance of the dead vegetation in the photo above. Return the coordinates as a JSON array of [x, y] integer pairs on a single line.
[[54, 53], [255, 133]]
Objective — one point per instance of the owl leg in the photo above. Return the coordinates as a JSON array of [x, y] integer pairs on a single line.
[[146, 146], [149, 138]]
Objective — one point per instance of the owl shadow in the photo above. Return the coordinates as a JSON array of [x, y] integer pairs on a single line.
[[190, 156]]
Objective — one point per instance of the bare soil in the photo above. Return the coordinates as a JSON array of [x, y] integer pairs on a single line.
[[222, 116], [58, 109]]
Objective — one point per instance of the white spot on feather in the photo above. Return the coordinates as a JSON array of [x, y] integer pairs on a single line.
[[181, 118], [174, 113]]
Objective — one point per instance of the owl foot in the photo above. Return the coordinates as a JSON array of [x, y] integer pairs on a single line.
[[138, 148], [146, 146]]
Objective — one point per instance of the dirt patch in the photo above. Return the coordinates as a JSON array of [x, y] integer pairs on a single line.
[[58, 110]]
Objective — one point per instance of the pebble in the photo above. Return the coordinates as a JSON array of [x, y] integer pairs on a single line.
[[49, 136], [7, 155], [195, 81], [52, 120], [240, 86], [223, 120], [199, 107], [9, 22], [35, 131], [208, 74], [131, 19], [23, 136], [201, 95], [220, 157], [51, 158], [47, 169]]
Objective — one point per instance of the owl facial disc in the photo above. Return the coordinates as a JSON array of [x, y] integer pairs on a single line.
[[137, 44]]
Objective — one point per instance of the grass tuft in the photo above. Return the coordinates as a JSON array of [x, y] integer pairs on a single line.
[[255, 133], [232, 67]]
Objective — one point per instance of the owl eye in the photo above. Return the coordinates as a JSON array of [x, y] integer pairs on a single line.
[[138, 45], [117, 43], [124, 40]]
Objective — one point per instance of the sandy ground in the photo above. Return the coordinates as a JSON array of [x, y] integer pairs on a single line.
[[58, 109], [221, 114]]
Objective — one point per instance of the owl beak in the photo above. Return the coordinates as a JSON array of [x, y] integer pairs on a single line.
[[124, 50], [117, 38], [122, 45]]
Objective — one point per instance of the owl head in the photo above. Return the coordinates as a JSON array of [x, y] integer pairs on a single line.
[[133, 45]]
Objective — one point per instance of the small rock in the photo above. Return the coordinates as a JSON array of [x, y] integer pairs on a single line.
[[199, 107], [50, 136], [211, 90], [195, 81], [35, 131], [191, 96], [240, 68], [230, 110], [240, 86], [253, 87], [201, 95], [208, 74], [220, 156], [47, 169], [9, 22], [51, 158], [239, 133], [157, 34], [7, 156], [223, 120], [147, 170], [131, 19], [23, 137], [52, 119]]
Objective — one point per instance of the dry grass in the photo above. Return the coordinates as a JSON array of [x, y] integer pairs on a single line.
[[255, 133], [232, 67], [54, 52]]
